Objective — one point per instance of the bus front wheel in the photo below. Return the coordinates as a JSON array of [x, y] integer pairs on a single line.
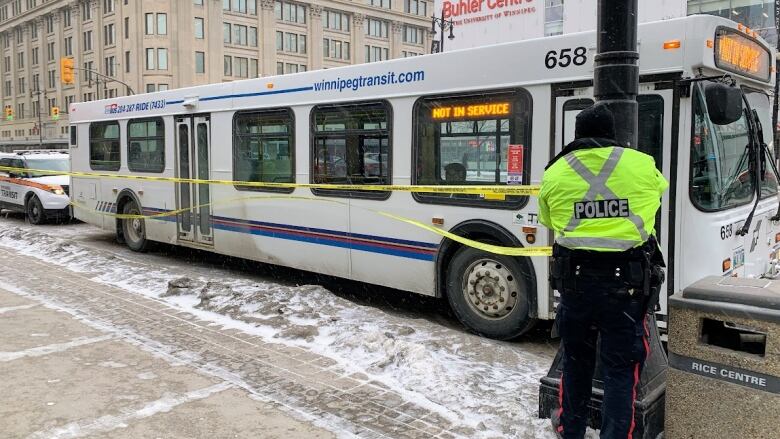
[[134, 229], [489, 293]]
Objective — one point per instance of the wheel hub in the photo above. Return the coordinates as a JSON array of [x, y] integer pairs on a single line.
[[490, 288]]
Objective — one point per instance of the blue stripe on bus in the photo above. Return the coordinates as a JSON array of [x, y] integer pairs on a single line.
[[418, 250], [259, 93], [177, 101]]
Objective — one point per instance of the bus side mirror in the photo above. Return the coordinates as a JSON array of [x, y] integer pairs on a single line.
[[724, 103]]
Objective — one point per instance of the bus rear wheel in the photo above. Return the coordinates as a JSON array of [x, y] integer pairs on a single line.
[[489, 294], [134, 229]]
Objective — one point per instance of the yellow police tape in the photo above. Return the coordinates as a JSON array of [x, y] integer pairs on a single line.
[[487, 191], [490, 248]]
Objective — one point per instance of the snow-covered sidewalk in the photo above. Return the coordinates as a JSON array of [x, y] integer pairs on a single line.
[[469, 385]]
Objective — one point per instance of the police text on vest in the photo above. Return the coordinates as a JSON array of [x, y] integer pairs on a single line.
[[601, 209]]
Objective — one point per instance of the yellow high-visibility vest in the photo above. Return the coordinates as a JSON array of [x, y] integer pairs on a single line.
[[603, 199]]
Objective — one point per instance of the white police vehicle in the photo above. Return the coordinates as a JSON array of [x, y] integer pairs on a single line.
[[41, 197]]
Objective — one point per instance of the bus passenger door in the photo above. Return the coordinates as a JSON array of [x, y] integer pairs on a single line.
[[193, 139], [655, 138]]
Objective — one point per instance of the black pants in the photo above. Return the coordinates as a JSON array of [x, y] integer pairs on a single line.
[[620, 320]]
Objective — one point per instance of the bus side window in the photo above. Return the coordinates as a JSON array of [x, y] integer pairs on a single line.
[[73, 143], [104, 149], [263, 148], [469, 139], [146, 145], [351, 145]]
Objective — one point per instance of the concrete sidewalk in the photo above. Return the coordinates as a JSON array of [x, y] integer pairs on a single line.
[[62, 378], [79, 358]]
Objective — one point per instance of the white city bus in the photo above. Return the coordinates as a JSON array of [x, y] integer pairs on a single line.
[[492, 115]]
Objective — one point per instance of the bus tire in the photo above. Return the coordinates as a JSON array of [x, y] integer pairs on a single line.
[[489, 294], [134, 229], [34, 210]]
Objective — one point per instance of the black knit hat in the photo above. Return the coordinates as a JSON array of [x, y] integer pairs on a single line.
[[596, 121]]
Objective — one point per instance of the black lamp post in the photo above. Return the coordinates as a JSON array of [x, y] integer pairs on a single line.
[[443, 25]]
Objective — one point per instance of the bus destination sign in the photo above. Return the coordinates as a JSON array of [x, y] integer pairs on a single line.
[[491, 110], [739, 54]]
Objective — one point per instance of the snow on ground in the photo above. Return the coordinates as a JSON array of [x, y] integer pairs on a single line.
[[488, 385]]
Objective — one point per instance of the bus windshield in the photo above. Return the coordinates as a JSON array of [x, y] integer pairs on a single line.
[[58, 164], [720, 171]]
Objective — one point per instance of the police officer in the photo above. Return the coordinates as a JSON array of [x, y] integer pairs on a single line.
[[601, 200]]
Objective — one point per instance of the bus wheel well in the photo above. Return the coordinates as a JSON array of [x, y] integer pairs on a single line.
[[122, 199], [489, 233]]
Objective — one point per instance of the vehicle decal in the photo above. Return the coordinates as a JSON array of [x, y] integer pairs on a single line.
[[23, 182], [376, 244]]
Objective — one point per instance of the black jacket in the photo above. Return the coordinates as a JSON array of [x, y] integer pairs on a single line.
[[585, 143]]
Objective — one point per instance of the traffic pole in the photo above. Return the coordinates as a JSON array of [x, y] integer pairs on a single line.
[[616, 66]]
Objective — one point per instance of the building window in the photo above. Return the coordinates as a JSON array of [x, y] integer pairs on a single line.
[[127, 61], [553, 17], [104, 154], [49, 24], [335, 21], [335, 49], [127, 27], [351, 144], [68, 46], [150, 88], [110, 64], [293, 68], [22, 89], [108, 34], [86, 11], [242, 67], [33, 31], [150, 59], [227, 33], [197, 2], [6, 64], [413, 34], [199, 29], [380, 3], [7, 88], [146, 145], [279, 70], [162, 87], [89, 67], [66, 17], [290, 42], [239, 6], [253, 68], [34, 56], [228, 66], [291, 12], [149, 24], [416, 7], [239, 35], [108, 6], [376, 28], [263, 148], [50, 51], [162, 59], [253, 36], [375, 53], [88, 41], [408, 54], [162, 24], [200, 62], [20, 60]]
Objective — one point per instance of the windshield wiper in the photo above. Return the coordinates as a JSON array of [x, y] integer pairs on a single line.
[[767, 156], [757, 146]]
